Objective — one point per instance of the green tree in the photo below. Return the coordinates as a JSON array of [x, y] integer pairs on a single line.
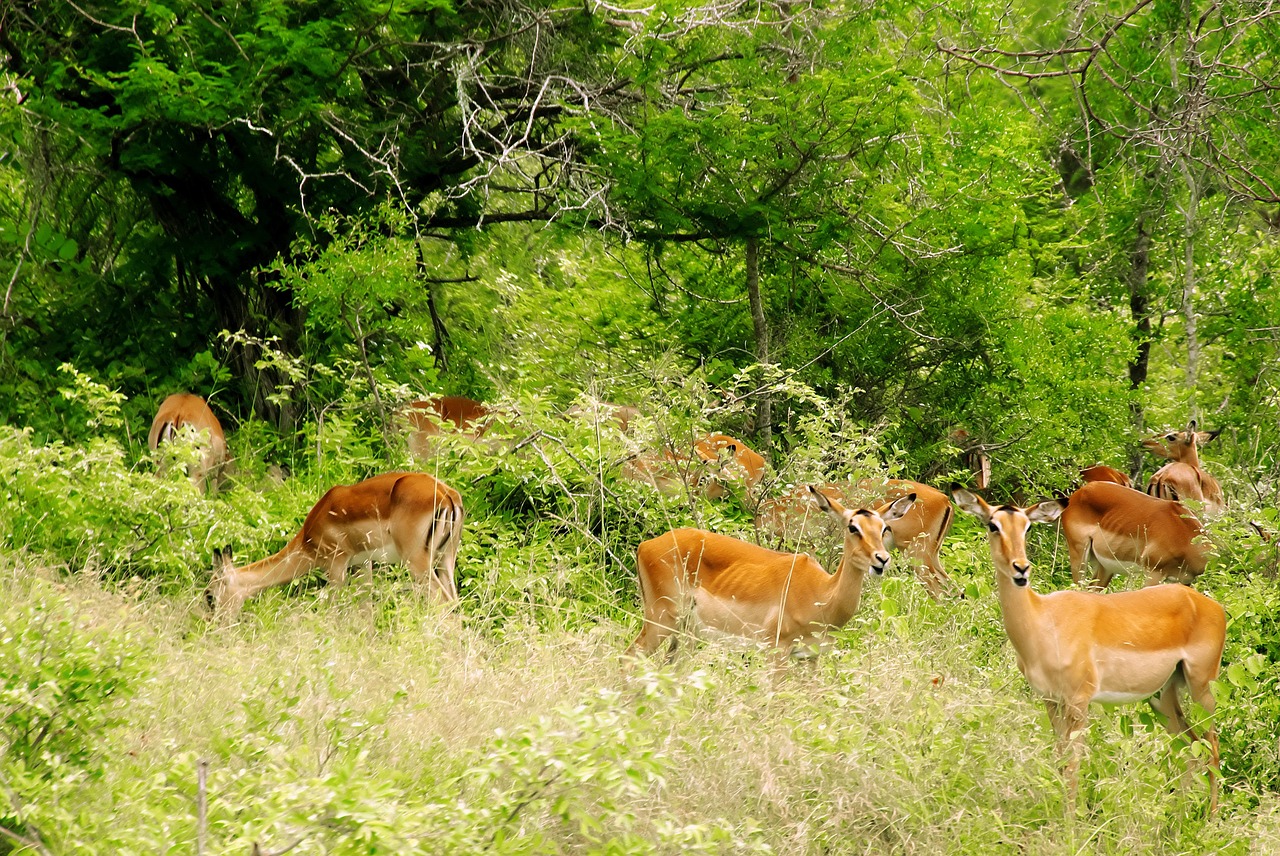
[[183, 150]]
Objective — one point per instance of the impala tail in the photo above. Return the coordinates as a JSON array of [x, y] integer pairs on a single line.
[[442, 542]]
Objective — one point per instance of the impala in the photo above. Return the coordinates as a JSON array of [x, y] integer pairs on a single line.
[[183, 410], [600, 411], [737, 460], [673, 474], [717, 461], [1111, 527], [1104, 473], [784, 599], [1077, 647], [1183, 478], [428, 417], [397, 517], [918, 533]]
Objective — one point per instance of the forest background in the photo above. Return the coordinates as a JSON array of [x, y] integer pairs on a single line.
[[869, 238]]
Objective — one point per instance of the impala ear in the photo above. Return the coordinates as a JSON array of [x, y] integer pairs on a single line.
[[970, 503], [897, 508], [1203, 437], [1047, 511], [222, 560], [825, 502]]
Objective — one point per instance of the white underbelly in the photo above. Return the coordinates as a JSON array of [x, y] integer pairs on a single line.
[[1115, 697], [733, 617], [385, 554]]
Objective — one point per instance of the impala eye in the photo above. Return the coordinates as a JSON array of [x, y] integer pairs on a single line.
[[992, 527], [1172, 437]]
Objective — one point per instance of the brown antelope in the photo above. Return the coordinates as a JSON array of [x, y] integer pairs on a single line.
[[397, 517], [1112, 527], [1077, 647], [673, 474], [738, 461], [428, 417], [716, 463], [1104, 473], [600, 411], [784, 599], [183, 410], [918, 533], [1183, 478]]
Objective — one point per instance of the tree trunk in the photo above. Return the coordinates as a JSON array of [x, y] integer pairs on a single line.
[[433, 307], [1189, 224], [1140, 309], [764, 406]]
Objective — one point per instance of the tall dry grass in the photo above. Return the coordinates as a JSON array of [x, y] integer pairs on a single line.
[[364, 720]]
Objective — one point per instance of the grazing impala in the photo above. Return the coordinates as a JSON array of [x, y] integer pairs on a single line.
[[918, 533], [1183, 478], [427, 418], [784, 599], [183, 410], [1111, 527], [1078, 647], [397, 517]]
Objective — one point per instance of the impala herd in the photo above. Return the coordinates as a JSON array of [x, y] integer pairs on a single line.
[[1074, 647]]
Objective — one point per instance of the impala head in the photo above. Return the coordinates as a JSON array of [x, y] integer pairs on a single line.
[[864, 529], [1007, 527], [1179, 445], [712, 472], [216, 595]]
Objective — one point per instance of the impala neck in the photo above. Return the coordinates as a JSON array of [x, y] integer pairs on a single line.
[[844, 589], [1192, 455], [288, 564], [1019, 607]]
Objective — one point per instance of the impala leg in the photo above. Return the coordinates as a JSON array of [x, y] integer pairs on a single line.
[[1078, 550], [1069, 720], [336, 571], [661, 616], [443, 556], [661, 593], [425, 576], [1166, 703], [929, 571]]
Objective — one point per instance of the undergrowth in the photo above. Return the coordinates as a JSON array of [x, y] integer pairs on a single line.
[[366, 720]]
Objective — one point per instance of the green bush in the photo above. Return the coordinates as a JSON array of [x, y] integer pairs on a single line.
[[62, 680]]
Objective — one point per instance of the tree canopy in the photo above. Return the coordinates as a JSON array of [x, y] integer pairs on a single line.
[[1040, 231]]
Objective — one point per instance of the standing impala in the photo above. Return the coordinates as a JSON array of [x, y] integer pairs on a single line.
[[1183, 478], [398, 517], [918, 533], [1112, 527], [784, 599], [1078, 647], [183, 410]]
